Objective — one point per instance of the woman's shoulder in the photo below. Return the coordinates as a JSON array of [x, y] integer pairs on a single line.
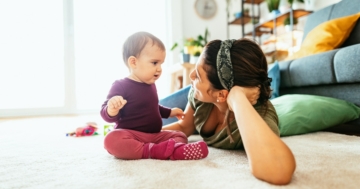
[[261, 107]]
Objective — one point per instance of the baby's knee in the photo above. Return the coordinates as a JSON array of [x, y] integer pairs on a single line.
[[113, 138], [180, 137]]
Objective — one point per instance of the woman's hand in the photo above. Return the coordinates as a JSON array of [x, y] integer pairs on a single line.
[[251, 93], [186, 124]]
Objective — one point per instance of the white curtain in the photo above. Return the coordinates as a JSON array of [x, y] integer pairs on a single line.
[[61, 56]]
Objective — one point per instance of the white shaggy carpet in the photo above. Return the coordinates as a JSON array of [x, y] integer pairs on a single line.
[[35, 153]]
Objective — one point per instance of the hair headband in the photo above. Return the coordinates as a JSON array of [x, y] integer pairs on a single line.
[[225, 71], [224, 66]]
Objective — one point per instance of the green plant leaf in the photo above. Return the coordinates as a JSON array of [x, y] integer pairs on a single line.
[[206, 36], [273, 4], [174, 46], [287, 21]]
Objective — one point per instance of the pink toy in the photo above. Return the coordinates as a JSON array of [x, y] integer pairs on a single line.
[[88, 130]]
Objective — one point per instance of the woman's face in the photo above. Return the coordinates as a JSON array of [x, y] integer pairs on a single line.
[[201, 84]]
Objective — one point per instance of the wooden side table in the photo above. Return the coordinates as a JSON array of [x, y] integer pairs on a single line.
[[178, 70]]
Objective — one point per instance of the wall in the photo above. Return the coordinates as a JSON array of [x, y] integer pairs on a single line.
[[193, 25], [185, 23]]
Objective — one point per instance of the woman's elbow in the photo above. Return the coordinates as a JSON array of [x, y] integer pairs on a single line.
[[282, 176], [281, 179]]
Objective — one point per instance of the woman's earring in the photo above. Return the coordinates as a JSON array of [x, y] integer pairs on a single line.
[[217, 100]]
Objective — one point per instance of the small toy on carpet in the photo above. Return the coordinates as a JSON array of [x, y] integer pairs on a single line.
[[88, 130], [108, 128]]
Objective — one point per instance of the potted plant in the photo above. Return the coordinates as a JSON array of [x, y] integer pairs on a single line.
[[192, 47], [254, 21], [273, 6], [291, 2], [287, 23], [246, 12], [185, 57]]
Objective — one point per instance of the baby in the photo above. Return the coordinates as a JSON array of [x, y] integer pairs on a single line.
[[133, 105]]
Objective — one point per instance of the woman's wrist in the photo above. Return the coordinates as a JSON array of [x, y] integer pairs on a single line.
[[236, 94], [250, 93]]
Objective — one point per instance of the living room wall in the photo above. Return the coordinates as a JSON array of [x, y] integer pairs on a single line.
[[193, 25], [185, 23]]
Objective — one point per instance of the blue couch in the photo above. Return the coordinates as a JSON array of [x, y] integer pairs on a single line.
[[334, 73]]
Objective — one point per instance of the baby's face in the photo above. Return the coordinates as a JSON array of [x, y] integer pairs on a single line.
[[149, 62]]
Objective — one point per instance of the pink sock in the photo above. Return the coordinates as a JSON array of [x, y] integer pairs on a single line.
[[192, 151], [162, 151]]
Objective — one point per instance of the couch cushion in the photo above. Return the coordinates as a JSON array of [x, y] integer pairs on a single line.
[[300, 114], [332, 67], [274, 74], [347, 64], [344, 8], [340, 9], [327, 36], [354, 37], [343, 91], [311, 70], [317, 18]]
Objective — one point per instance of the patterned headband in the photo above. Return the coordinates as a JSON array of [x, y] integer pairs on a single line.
[[224, 66]]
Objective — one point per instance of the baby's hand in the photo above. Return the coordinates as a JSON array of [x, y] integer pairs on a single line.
[[178, 113], [115, 104]]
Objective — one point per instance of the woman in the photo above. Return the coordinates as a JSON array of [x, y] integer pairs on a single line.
[[228, 105]]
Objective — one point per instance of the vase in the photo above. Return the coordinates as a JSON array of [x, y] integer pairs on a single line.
[[185, 57], [274, 13], [193, 59], [289, 29]]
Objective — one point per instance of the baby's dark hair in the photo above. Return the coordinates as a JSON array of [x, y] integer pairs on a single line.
[[249, 66], [136, 42]]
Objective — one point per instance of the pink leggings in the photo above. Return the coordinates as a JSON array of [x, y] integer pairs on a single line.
[[129, 144]]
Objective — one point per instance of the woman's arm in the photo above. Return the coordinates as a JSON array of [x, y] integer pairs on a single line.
[[186, 125], [269, 157]]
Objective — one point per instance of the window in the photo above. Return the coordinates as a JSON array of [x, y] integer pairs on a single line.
[[101, 28], [61, 56], [31, 54]]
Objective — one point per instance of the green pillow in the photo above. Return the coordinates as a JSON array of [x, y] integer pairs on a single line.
[[300, 114]]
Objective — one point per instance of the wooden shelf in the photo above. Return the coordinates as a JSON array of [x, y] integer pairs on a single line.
[[281, 17], [238, 21], [255, 1], [259, 32]]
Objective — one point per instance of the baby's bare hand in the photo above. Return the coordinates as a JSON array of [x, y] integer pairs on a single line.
[[178, 113], [116, 103]]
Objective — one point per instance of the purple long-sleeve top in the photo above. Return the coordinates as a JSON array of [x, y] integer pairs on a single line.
[[142, 111]]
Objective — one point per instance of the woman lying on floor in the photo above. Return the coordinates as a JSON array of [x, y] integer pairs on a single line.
[[228, 105]]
